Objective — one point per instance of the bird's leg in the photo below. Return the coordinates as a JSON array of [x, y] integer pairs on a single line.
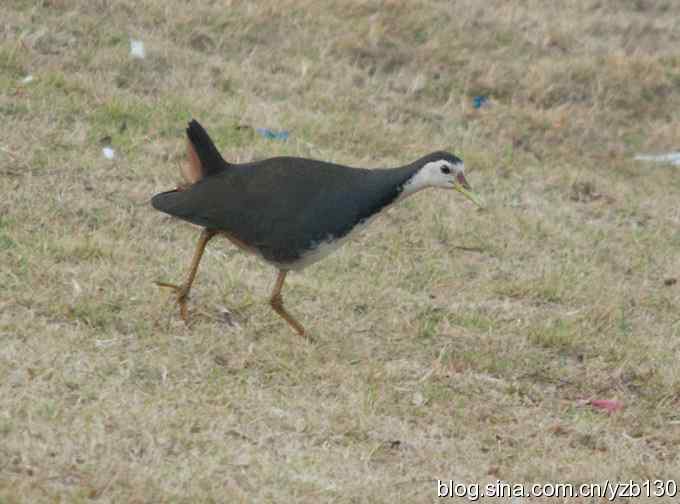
[[276, 302], [183, 290]]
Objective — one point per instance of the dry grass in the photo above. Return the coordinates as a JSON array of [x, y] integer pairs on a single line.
[[454, 344]]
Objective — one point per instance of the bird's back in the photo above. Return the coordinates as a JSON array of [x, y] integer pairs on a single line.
[[285, 206]]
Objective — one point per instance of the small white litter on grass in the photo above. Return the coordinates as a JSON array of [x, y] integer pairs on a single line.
[[108, 153], [137, 49], [671, 157], [27, 79], [77, 289]]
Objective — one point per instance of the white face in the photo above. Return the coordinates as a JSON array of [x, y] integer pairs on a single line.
[[439, 173], [443, 173]]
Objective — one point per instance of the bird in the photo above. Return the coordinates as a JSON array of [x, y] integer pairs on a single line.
[[289, 211]]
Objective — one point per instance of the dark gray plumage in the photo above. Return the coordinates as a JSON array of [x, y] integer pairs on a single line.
[[285, 206]]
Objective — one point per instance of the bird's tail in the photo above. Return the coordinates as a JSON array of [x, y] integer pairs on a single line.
[[210, 159]]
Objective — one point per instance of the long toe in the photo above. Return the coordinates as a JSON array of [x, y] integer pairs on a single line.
[[182, 294], [174, 287], [181, 290], [308, 337]]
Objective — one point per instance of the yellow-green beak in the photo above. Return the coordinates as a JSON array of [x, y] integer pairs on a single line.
[[461, 185], [472, 196]]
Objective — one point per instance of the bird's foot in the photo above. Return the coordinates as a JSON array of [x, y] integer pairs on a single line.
[[308, 337], [276, 303], [182, 292]]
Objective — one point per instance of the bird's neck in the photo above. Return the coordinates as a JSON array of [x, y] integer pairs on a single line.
[[387, 186], [417, 181]]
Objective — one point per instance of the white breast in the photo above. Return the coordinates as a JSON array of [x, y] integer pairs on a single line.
[[328, 246]]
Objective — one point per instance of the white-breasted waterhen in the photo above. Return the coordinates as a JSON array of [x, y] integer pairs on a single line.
[[290, 212]]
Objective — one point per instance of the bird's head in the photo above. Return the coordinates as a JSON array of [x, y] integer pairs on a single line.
[[442, 169]]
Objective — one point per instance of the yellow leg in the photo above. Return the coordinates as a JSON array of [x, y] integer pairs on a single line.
[[183, 290], [276, 302]]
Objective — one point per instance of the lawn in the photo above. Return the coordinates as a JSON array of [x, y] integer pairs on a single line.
[[452, 343]]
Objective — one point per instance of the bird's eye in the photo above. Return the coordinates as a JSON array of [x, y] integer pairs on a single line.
[[446, 170]]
